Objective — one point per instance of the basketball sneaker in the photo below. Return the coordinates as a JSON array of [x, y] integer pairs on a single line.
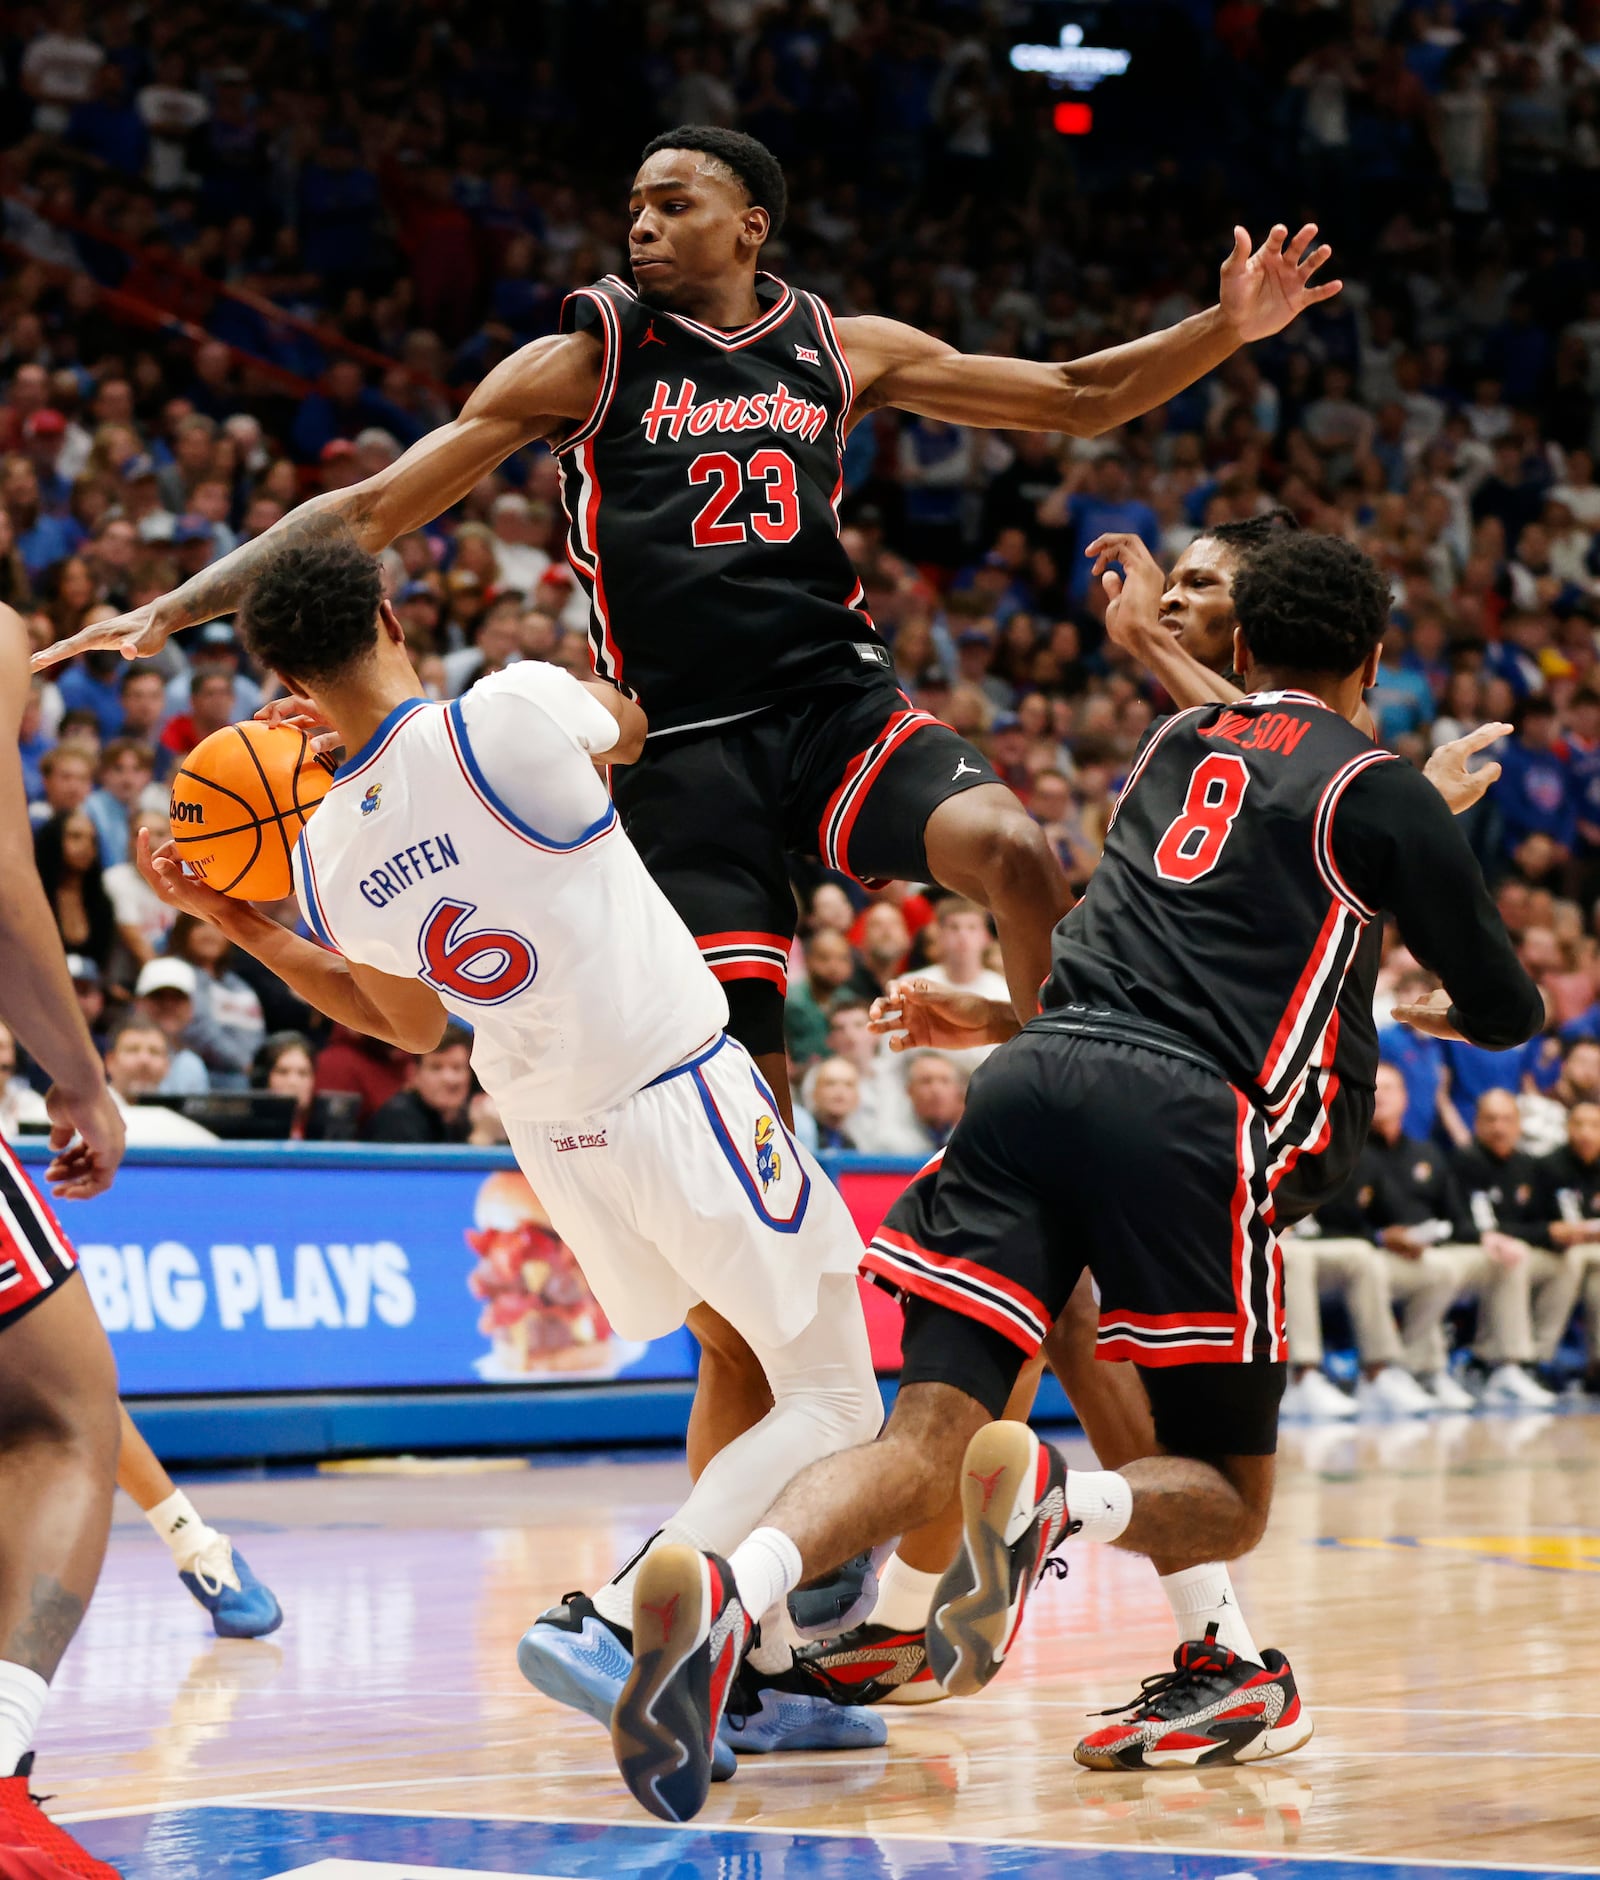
[[690, 1635], [842, 1600], [797, 1709], [241, 1606], [32, 1847], [876, 1664], [581, 1660], [1014, 1515], [1212, 1707]]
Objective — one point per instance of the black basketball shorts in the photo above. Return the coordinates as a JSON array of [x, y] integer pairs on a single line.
[[848, 775], [35, 1256], [1083, 1148]]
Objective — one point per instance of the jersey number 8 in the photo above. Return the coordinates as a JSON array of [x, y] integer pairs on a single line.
[[778, 522], [487, 967], [1193, 842]]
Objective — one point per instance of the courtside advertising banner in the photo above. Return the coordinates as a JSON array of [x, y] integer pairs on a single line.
[[233, 1271]]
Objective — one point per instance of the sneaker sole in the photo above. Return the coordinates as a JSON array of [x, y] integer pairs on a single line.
[[541, 1661], [657, 1730], [1267, 1746], [974, 1610]]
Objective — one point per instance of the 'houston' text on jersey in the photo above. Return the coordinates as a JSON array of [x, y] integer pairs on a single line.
[[702, 503]]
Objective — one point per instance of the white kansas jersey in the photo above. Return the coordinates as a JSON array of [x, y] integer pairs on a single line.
[[473, 845]]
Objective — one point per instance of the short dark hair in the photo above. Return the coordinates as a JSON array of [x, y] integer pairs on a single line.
[[1311, 604], [313, 609], [135, 1022], [747, 157], [139, 672], [455, 1034], [1247, 536]]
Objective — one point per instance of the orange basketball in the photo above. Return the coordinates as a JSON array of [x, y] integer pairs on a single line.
[[239, 804]]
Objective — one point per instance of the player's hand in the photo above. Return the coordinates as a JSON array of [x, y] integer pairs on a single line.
[[1261, 293], [1447, 770], [189, 895], [86, 1142], [299, 714], [1430, 1016], [135, 635], [1134, 596], [919, 1015]]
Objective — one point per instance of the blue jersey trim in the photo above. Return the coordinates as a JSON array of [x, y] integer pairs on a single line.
[[481, 783], [736, 1162], [691, 1064], [313, 907], [369, 750]]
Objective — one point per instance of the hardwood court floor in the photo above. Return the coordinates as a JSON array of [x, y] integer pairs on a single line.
[[1436, 1586]]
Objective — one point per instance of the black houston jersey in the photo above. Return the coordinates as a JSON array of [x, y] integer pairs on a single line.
[[702, 505], [1252, 849]]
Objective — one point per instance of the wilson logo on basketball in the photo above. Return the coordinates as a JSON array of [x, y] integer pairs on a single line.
[[187, 812]]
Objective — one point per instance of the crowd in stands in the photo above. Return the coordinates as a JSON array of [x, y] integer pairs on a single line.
[[360, 210]]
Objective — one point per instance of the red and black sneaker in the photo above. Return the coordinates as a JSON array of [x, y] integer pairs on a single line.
[[1014, 1516], [876, 1664], [32, 1847], [1212, 1707], [690, 1635]]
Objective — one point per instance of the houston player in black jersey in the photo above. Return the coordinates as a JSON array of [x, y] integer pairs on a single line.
[[698, 414], [1188, 646], [1136, 1127]]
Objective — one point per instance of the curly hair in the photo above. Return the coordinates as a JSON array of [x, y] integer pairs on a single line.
[[747, 158], [1244, 538], [1311, 604], [313, 609]]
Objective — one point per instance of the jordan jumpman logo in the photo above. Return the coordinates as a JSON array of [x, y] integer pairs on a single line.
[[651, 338]]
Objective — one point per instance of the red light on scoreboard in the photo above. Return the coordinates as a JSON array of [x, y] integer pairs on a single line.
[[1074, 120]]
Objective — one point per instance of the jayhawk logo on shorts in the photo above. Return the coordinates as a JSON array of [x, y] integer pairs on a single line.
[[370, 801], [769, 1164]]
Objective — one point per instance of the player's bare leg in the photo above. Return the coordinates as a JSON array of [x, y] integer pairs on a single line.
[[58, 1465], [219, 1577], [985, 845]]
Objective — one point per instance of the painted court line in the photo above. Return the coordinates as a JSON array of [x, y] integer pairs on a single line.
[[1186, 1849]]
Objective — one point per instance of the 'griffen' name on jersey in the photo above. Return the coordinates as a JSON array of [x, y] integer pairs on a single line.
[[404, 869]]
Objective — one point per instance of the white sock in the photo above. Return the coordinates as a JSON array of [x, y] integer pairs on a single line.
[[905, 1596], [180, 1526], [1102, 1500], [775, 1653], [766, 1568], [1204, 1596], [22, 1695]]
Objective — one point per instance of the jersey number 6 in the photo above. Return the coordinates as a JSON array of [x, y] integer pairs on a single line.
[[1194, 838], [488, 967], [778, 522]]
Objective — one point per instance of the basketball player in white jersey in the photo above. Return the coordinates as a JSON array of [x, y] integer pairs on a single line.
[[468, 862]]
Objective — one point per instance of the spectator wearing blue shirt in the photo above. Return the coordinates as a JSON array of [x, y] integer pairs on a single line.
[[42, 540], [93, 682], [1400, 700], [1420, 1061], [33, 742], [1534, 793], [126, 769], [935, 467], [1106, 507]]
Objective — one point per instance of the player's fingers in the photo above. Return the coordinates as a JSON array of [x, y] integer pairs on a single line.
[[1111, 581], [1489, 775], [1240, 252], [1273, 245], [1313, 261], [1485, 735], [1325, 292], [1302, 241]]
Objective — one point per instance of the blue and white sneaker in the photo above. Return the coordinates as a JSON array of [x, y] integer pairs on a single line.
[[579, 1659], [241, 1606], [796, 1709]]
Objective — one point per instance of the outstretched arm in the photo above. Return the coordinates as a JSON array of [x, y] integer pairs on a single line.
[[1260, 294], [526, 397]]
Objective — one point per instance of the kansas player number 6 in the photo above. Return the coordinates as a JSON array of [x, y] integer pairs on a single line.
[[1194, 838], [778, 522], [487, 967]]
